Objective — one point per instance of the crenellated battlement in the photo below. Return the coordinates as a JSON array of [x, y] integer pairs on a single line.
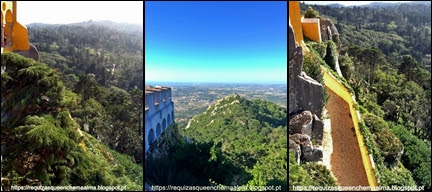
[[159, 112]]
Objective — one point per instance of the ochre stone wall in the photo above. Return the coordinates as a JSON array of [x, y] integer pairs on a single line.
[[311, 28], [333, 84], [295, 18], [15, 33]]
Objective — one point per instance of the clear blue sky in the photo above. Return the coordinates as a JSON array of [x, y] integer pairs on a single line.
[[224, 42]]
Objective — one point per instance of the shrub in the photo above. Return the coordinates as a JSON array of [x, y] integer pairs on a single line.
[[308, 174], [398, 176], [297, 175], [346, 66], [361, 109], [311, 13], [423, 174], [314, 58], [417, 156], [374, 123], [320, 174], [312, 68], [389, 145], [320, 48], [374, 108], [370, 143], [335, 39], [331, 54]]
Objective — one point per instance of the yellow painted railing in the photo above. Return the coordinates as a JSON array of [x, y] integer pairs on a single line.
[[332, 83]]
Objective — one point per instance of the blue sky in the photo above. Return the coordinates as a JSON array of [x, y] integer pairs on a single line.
[[223, 42]]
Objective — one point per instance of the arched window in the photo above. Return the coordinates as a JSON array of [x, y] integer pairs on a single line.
[[169, 119], [158, 130], [150, 137], [164, 124]]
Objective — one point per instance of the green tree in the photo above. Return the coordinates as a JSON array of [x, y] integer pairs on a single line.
[[28, 88], [137, 98], [417, 155], [346, 66], [408, 66], [43, 141], [372, 57], [331, 55], [310, 13]]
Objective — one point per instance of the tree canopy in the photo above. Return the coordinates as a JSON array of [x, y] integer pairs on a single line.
[[44, 143]]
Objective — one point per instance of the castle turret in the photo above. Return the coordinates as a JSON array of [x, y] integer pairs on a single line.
[[14, 36]]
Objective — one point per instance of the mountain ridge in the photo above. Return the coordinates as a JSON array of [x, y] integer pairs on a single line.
[[238, 110], [124, 27], [235, 141]]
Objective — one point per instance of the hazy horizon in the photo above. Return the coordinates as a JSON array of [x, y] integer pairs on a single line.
[[349, 3], [91, 20], [66, 12]]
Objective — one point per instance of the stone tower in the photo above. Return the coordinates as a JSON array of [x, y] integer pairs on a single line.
[[159, 112]]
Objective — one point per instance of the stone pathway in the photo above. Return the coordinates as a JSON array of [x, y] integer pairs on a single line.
[[346, 162]]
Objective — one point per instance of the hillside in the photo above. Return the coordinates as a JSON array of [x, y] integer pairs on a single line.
[[44, 144], [383, 58], [395, 28], [236, 141], [114, 56], [102, 62]]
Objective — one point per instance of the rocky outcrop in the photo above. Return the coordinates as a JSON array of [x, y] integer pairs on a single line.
[[337, 67], [31, 53], [296, 148], [301, 123], [303, 127], [306, 97], [328, 29], [305, 93], [317, 129], [292, 43], [307, 151]]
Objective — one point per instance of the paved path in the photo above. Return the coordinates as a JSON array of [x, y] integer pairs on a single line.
[[346, 161]]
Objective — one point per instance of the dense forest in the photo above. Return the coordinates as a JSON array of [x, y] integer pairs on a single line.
[[397, 30], [384, 56], [44, 144], [89, 78], [115, 57], [103, 63], [234, 142]]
